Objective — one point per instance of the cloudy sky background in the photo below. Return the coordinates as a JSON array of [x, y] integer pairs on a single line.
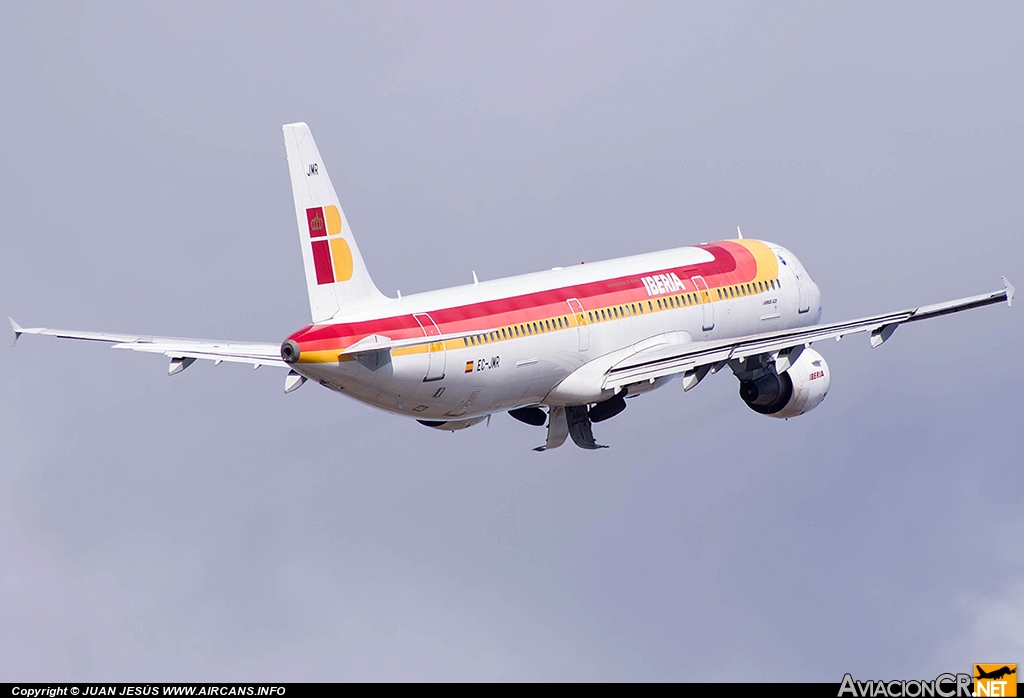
[[208, 527]]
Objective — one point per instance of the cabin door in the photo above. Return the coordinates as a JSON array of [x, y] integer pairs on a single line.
[[705, 302], [581, 323], [801, 289], [435, 350]]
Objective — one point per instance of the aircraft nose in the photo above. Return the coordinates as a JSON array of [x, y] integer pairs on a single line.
[[290, 351]]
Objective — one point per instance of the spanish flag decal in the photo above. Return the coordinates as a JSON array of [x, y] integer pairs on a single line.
[[469, 367]]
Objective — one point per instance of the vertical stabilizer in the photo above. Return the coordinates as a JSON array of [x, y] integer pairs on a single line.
[[336, 277]]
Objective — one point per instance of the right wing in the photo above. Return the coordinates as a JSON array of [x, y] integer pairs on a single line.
[[182, 352], [695, 359]]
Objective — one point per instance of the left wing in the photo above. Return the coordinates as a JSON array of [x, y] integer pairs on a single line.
[[182, 352], [694, 360]]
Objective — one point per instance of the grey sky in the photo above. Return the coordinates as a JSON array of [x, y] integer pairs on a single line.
[[210, 527]]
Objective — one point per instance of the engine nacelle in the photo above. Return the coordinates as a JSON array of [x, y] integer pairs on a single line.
[[790, 394]]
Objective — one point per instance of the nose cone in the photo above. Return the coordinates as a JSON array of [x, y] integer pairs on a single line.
[[290, 351]]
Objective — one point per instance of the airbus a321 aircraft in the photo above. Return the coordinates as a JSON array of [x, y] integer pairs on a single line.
[[562, 348]]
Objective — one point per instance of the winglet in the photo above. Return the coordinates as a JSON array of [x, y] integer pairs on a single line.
[[1009, 292], [18, 329]]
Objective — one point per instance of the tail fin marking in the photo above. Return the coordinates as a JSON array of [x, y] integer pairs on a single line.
[[336, 276]]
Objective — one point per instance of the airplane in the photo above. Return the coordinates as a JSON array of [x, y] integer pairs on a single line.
[[995, 674], [562, 348]]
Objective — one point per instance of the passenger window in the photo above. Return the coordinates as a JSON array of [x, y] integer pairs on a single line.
[[659, 304], [778, 283], [650, 306], [719, 292], [465, 341]]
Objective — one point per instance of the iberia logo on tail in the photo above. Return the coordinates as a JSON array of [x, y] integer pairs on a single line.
[[332, 257]]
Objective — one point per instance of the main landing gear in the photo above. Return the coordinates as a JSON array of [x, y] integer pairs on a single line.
[[575, 421]]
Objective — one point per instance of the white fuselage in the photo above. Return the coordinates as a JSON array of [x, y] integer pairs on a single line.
[[502, 368]]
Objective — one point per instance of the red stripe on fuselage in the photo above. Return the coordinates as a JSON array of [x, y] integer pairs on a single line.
[[732, 264]]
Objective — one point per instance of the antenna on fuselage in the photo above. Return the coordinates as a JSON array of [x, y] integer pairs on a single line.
[[739, 232], [476, 281]]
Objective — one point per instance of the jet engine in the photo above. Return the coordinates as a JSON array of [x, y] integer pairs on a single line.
[[788, 394]]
